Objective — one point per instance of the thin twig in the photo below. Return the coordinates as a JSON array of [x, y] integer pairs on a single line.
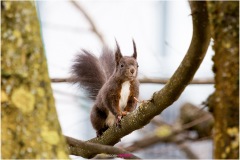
[[89, 19], [196, 122], [153, 139], [148, 80], [185, 148]]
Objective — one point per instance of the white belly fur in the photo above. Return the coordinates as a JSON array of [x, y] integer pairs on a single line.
[[125, 91]]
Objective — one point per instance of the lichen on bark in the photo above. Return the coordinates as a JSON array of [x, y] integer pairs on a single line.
[[30, 127], [224, 102]]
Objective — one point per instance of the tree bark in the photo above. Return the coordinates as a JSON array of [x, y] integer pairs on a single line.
[[30, 127], [224, 103]]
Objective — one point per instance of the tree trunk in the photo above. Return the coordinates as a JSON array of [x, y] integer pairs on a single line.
[[224, 103], [30, 127]]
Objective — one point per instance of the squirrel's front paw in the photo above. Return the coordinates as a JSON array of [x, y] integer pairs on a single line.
[[118, 121], [124, 113]]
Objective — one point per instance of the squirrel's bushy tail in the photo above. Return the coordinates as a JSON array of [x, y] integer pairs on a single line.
[[90, 72], [107, 61]]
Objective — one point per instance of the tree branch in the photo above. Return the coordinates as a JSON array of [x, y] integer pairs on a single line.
[[75, 145], [89, 19], [185, 148], [146, 80], [172, 90], [191, 118], [176, 129]]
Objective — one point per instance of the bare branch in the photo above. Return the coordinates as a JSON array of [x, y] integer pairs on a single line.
[[77, 145], [60, 80], [153, 139], [175, 136], [165, 80], [147, 80], [172, 90], [197, 121], [192, 118], [148, 141], [185, 148], [89, 19]]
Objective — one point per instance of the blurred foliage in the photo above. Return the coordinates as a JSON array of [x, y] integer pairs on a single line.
[[30, 127], [163, 131], [190, 113]]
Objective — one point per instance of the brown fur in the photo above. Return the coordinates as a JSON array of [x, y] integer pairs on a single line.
[[88, 72], [113, 72]]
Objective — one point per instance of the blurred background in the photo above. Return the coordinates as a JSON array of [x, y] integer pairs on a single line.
[[162, 31]]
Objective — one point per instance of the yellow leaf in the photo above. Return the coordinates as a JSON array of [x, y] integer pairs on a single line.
[[163, 131]]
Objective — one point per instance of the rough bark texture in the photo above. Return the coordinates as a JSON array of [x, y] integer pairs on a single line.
[[224, 103], [30, 127], [171, 91]]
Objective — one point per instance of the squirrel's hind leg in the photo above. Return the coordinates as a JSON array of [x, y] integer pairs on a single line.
[[98, 119], [100, 132]]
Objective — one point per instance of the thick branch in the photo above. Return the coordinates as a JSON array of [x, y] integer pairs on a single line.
[[75, 145], [172, 90]]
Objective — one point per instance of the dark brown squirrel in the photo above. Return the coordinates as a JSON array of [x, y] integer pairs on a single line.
[[111, 82]]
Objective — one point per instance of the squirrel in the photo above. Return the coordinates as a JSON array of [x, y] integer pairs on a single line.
[[111, 82]]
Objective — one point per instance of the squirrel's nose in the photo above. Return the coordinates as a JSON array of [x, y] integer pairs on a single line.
[[132, 70]]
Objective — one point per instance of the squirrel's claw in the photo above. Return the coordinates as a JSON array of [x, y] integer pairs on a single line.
[[119, 118], [118, 121]]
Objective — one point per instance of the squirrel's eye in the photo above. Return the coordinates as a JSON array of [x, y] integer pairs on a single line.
[[121, 65]]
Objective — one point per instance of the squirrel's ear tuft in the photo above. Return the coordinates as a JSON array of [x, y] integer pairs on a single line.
[[118, 54], [134, 50]]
